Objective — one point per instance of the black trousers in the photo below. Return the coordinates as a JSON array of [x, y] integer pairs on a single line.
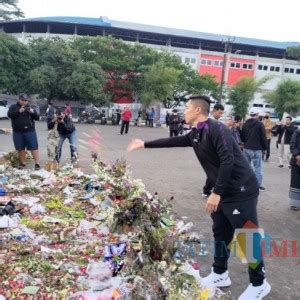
[[125, 124], [173, 132], [151, 122], [268, 148], [226, 219]]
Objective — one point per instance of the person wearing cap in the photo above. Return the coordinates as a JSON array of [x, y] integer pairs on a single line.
[[233, 200], [66, 130], [24, 133], [284, 138], [255, 142]]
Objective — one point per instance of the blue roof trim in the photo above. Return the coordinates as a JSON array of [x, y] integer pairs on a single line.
[[101, 21], [104, 21]]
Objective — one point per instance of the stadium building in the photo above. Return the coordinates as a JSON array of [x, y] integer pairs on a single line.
[[228, 59]]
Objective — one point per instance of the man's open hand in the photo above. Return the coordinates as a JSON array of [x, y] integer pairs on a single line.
[[135, 145], [212, 203]]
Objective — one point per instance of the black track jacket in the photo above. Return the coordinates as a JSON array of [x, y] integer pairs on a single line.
[[220, 157]]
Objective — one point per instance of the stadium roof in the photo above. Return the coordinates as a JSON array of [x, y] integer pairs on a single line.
[[193, 37]]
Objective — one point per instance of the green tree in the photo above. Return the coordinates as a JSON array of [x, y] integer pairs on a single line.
[[9, 10], [54, 61], [294, 52], [160, 82], [243, 92], [86, 84], [16, 62], [286, 97]]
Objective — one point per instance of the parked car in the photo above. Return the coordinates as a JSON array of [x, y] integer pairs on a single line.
[[3, 110]]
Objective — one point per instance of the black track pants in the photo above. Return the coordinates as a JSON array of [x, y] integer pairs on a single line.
[[226, 219]]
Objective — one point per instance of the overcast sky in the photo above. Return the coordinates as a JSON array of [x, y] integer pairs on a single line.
[[262, 19]]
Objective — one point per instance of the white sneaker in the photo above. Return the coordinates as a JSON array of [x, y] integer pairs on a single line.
[[216, 280], [256, 292]]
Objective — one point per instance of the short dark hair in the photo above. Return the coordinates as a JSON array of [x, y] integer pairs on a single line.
[[237, 118], [202, 101], [218, 106], [289, 117]]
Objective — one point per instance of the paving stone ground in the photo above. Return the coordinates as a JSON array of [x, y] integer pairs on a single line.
[[176, 172]]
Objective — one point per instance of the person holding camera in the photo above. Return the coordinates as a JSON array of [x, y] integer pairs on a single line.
[[24, 134], [66, 130]]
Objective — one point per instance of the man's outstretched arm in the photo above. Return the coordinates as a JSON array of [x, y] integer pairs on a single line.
[[178, 141]]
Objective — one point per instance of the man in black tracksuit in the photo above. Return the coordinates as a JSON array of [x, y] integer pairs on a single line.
[[174, 121], [234, 197]]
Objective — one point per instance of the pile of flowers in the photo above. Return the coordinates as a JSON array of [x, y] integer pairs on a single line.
[[65, 234]]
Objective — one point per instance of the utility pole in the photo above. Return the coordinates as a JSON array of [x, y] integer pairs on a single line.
[[227, 49]]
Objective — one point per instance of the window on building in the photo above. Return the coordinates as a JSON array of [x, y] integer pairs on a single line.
[[277, 69], [193, 60], [232, 65], [245, 66], [267, 106], [221, 63], [255, 105], [216, 63], [238, 65], [187, 60], [272, 68], [260, 67], [209, 62], [292, 70], [298, 71], [265, 68], [203, 61], [250, 66], [286, 70]]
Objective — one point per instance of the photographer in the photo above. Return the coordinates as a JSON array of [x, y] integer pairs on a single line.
[[24, 134], [66, 130]]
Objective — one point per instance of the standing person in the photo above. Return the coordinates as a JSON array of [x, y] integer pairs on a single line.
[[268, 127], [294, 194], [68, 110], [167, 119], [24, 133], [234, 131], [255, 142], [147, 118], [66, 130], [126, 116], [50, 113], [235, 192], [174, 121], [217, 111], [285, 134], [151, 117], [118, 111]]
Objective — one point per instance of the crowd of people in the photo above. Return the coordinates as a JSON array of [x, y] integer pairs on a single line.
[[253, 136]]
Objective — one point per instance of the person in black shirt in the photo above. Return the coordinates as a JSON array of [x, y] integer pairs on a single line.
[[66, 130], [255, 142], [284, 138], [174, 121], [24, 134], [233, 200]]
